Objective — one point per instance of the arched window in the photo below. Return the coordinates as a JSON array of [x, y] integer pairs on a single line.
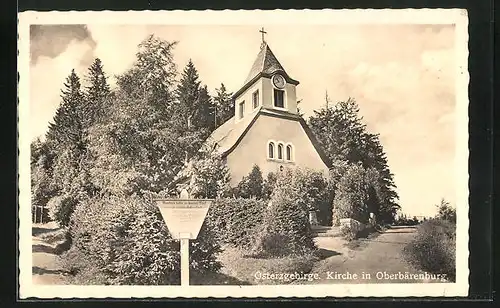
[[280, 151], [289, 152], [271, 150]]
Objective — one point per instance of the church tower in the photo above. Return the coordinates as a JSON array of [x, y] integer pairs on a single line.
[[267, 86], [266, 129]]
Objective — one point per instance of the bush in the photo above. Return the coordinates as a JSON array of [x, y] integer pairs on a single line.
[[286, 229], [348, 232], [125, 241], [209, 176], [356, 193], [61, 207], [433, 248], [317, 193], [446, 212], [268, 185], [405, 221], [235, 220], [251, 186]]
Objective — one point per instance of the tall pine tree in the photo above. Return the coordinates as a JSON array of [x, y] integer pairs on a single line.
[[67, 140], [97, 93], [193, 109], [67, 128], [206, 114], [224, 105]]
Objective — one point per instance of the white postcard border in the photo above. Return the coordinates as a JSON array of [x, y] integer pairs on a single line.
[[257, 17]]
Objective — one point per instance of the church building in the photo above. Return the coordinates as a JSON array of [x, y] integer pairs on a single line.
[[266, 128]]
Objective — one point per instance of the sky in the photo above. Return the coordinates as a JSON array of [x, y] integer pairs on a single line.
[[402, 77]]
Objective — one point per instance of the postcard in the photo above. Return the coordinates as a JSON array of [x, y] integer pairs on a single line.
[[243, 154]]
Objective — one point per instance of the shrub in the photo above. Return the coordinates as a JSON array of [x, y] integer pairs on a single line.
[[351, 229], [433, 248], [355, 193], [348, 232], [270, 243], [405, 221], [124, 240], [446, 212], [235, 220], [268, 185], [286, 229], [314, 189], [41, 191], [251, 186], [317, 192], [61, 207], [209, 176]]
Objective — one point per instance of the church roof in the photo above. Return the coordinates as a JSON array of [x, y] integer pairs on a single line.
[[265, 64], [227, 136]]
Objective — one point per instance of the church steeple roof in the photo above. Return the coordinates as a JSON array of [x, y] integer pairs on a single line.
[[265, 64]]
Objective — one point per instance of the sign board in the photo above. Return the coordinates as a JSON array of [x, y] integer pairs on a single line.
[[184, 217]]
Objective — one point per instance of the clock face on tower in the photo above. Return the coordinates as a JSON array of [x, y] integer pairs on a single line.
[[278, 81]]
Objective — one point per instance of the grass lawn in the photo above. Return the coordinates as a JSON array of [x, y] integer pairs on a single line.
[[240, 269]]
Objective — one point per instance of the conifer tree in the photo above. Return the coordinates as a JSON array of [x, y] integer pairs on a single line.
[[299, 110], [67, 147], [193, 108], [224, 105], [188, 92], [206, 114], [97, 93], [67, 126], [377, 159], [339, 131]]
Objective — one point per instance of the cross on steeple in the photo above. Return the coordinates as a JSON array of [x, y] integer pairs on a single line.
[[263, 32]]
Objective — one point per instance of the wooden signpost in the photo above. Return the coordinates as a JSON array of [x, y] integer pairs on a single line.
[[184, 218]]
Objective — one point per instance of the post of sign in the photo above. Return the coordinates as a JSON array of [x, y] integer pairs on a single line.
[[184, 218]]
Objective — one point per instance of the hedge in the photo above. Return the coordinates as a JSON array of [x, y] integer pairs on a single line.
[[235, 220]]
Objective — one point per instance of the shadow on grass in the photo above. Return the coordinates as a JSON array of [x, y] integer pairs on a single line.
[[322, 253], [216, 279], [363, 238], [402, 231], [42, 271], [39, 231], [43, 248]]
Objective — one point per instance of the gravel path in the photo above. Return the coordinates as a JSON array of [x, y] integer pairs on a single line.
[[374, 261], [46, 269]]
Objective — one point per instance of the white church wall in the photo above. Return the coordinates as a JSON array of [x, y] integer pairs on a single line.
[[246, 96], [267, 90], [252, 149], [291, 98]]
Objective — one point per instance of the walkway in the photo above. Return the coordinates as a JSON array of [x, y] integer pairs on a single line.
[[374, 261]]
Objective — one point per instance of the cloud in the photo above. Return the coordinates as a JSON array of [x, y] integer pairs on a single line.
[[47, 77], [52, 40]]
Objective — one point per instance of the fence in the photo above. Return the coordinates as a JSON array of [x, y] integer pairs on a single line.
[[39, 214]]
